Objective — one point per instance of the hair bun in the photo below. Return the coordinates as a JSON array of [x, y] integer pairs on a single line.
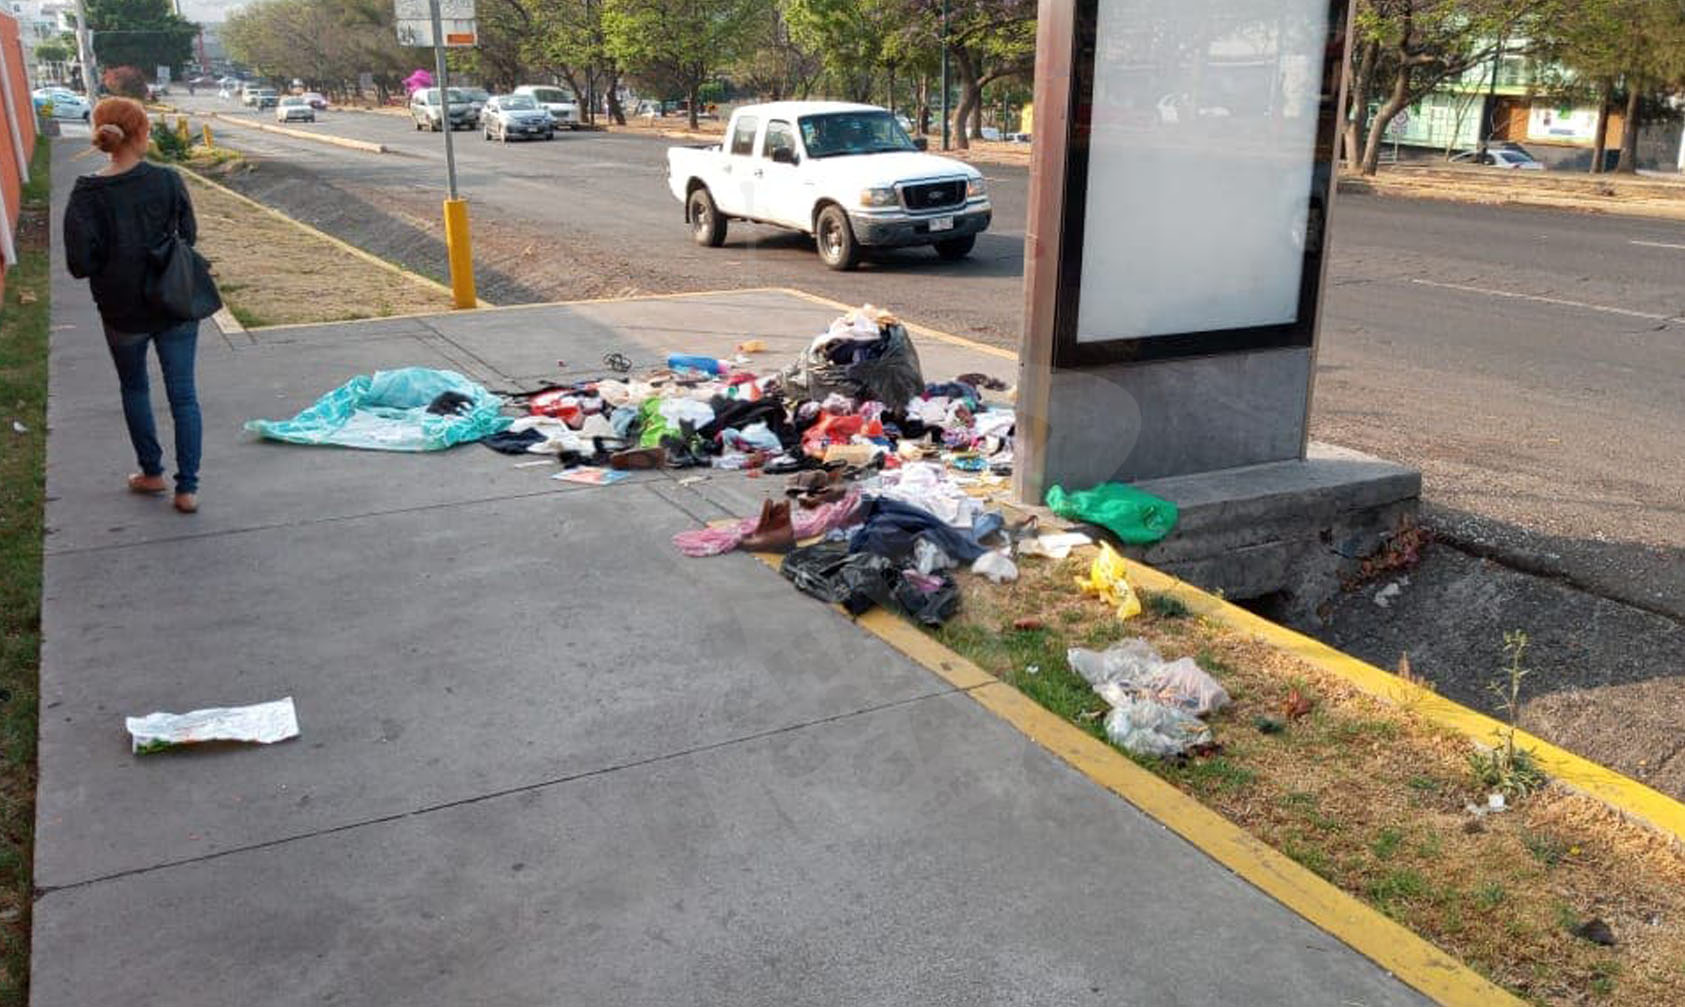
[[109, 136]]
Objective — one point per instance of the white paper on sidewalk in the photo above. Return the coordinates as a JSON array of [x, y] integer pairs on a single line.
[[262, 724]]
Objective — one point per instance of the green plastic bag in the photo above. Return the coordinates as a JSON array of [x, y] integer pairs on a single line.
[[654, 426], [1136, 518]]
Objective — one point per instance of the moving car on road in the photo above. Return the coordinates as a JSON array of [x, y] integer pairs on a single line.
[[516, 115], [294, 108], [316, 100], [847, 174], [559, 102], [66, 104], [427, 113], [261, 98]]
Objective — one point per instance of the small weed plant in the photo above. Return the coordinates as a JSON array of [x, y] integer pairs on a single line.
[[1509, 770]]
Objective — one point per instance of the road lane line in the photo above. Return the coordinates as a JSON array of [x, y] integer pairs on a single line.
[[1560, 302], [1655, 244]]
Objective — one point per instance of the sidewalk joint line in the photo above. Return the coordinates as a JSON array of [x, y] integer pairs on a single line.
[[43, 891]]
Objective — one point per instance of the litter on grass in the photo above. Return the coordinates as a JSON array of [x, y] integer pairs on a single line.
[[1108, 579], [260, 724]]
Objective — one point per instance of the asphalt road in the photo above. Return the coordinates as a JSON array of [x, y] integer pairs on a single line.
[[1531, 363]]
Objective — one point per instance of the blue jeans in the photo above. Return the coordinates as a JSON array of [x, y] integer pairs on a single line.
[[176, 348]]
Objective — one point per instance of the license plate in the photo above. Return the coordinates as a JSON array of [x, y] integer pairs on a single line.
[[942, 224]]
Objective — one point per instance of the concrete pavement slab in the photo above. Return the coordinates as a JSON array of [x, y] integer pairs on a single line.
[[923, 853]]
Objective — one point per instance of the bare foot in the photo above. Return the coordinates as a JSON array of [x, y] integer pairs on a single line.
[[187, 503], [139, 483]]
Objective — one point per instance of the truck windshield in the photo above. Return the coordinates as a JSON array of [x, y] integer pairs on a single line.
[[841, 133]]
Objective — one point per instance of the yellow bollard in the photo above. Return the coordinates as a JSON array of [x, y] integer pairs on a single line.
[[208, 144], [181, 127], [461, 255]]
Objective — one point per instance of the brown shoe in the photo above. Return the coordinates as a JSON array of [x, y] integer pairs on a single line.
[[773, 532], [638, 458], [151, 485], [187, 503]]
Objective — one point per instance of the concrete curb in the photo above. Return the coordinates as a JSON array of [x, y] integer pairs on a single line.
[[338, 243], [327, 138]]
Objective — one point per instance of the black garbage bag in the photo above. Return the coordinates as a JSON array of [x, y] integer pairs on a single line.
[[884, 370], [857, 581]]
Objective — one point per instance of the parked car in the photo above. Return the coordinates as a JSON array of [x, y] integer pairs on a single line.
[[516, 115], [260, 98], [1513, 158], [293, 108], [847, 174], [559, 102], [66, 104], [427, 114], [156, 91], [477, 97], [316, 100]]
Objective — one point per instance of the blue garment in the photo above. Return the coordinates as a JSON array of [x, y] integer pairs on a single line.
[[388, 412], [176, 348], [889, 528]]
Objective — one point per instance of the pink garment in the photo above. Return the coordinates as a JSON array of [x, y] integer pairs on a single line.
[[809, 524]]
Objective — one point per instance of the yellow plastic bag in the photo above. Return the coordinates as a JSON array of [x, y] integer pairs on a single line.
[[1108, 579]]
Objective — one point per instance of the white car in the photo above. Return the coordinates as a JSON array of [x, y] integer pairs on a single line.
[[1500, 157], [559, 102], [294, 108], [847, 174], [66, 104]]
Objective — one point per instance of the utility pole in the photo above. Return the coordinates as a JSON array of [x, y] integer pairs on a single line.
[[944, 78], [85, 53], [456, 209]]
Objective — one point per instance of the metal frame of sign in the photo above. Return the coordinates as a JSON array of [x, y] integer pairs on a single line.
[[1072, 154]]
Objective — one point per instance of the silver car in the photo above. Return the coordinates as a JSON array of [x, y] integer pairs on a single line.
[[509, 116], [294, 108]]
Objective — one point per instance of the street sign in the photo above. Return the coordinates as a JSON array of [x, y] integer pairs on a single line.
[[456, 19]]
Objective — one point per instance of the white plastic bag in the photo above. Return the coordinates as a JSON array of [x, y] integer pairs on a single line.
[[1053, 546], [1136, 667], [261, 724], [997, 566], [1144, 727]]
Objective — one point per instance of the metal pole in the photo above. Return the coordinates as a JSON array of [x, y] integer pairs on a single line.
[[944, 74], [85, 53], [442, 82]]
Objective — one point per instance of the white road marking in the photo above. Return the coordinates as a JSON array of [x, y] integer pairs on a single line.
[[1582, 305], [1655, 244]]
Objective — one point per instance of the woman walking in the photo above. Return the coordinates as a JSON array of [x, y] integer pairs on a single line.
[[114, 220]]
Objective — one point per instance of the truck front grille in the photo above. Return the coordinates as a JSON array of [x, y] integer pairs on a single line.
[[934, 195]]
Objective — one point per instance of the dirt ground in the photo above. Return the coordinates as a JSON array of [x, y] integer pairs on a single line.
[[1633, 195], [272, 272]]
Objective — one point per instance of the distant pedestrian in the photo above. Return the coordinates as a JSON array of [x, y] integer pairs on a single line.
[[114, 219]]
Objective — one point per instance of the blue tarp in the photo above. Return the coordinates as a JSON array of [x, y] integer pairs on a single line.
[[388, 412]]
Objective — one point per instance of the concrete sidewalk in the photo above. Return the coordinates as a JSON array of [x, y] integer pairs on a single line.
[[545, 759]]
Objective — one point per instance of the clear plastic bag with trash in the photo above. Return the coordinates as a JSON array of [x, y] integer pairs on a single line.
[[1136, 667], [1144, 727]]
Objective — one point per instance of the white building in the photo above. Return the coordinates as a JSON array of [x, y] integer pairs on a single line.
[[43, 21]]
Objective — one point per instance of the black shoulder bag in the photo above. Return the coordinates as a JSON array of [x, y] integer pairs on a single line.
[[178, 282]]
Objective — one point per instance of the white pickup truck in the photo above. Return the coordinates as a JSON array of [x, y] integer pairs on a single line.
[[847, 174]]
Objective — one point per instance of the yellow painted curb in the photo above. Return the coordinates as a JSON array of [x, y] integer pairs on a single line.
[[1622, 793], [1414, 961], [338, 243], [327, 138]]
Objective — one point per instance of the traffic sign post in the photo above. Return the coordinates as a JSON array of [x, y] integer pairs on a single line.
[[442, 24]]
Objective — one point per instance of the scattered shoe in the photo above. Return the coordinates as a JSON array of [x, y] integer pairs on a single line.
[[773, 532], [638, 458]]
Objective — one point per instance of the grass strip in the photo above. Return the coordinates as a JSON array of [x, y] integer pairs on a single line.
[[23, 403], [1371, 797]]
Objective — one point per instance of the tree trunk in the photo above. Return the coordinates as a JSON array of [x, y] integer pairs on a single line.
[[1390, 108], [923, 118], [977, 114], [615, 111], [1628, 164], [1363, 77], [961, 116], [693, 92], [1600, 146]]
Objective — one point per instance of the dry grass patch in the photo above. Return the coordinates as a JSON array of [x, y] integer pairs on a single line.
[[272, 272], [1372, 798]]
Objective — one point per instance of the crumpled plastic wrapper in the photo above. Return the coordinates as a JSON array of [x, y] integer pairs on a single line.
[[262, 724]]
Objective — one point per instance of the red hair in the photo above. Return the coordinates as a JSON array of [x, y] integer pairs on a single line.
[[119, 122]]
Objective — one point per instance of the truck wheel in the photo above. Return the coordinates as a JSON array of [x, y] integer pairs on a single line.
[[835, 237], [956, 248], [707, 227]]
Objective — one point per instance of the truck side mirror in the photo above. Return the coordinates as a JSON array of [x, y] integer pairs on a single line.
[[921, 143]]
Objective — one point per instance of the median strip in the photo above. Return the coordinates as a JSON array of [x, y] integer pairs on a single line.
[[327, 138]]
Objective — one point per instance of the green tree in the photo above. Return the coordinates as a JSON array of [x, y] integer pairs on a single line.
[[855, 39], [682, 43], [988, 41], [53, 51], [1633, 45], [327, 43], [143, 33]]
